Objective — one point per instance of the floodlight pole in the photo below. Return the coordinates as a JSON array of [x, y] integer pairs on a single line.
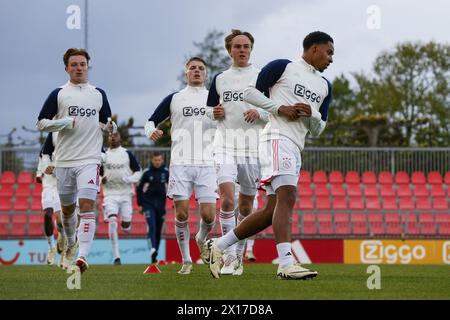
[[86, 26]]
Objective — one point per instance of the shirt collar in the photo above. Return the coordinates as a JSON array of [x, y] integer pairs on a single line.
[[307, 65]]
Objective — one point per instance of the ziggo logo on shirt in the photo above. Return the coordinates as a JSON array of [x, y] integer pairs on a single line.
[[301, 91], [84, 112]]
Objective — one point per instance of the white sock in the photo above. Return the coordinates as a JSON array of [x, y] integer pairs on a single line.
[[227, 241], [51, 242], [250, 243], [285, 254], [240, 246], [86, 233], [183, 235], [205, 229], [70, 228], [113, 236], [227, 223]]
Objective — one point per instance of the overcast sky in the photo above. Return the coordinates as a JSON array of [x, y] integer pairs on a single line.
[[138, 46]]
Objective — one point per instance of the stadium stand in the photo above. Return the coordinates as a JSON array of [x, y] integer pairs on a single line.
[[328, 205]]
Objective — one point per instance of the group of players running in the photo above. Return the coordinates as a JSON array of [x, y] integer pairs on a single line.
[[248, 129]]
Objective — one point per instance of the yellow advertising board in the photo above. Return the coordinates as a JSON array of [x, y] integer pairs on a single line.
[[397, 251]]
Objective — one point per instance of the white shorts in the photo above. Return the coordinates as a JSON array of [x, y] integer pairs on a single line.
[[114, 204], [50, 199], [279, 157], [71, 180], [244, 170], [185, 179]]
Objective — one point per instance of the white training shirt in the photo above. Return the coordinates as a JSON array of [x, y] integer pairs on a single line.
[[234, 135], [286, 83], [192, 132], [78, 113], [121, 170]]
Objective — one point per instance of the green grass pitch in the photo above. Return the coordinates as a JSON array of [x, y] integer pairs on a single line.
[[337, 281]]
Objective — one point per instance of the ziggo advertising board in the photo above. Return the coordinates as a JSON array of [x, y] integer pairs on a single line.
[[397, 251]]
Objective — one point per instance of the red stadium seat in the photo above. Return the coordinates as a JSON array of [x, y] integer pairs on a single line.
[[421, 190], [324, 217], [5, 204], [336, 177], [354, 190], [371, 190], [444, 230], [325, 228], [320, 177], [342, 229], [423, 203], [139, 218], [18, 229], [21, 204], [360, 229], [385, 177], [305, 203], [358, 218], [36, 204], [442, 218], [352, 177], [4, 230], [4, 219], [428, 229], [401, 177], [25, 177], [7, 191], [169, 204], [389, 203], [339, 203], [373, 203], [404, 190], [23, 190], [412, 229], [337, 190], [36, 218], [425, 217], [392, 217], [437, 190], [308, 218], [406, 204], [440, 203], [356, 203], [369, 178], [434, 177], [377, 228], [7, 177], [342, 218], [36, 229], [375, 217], [323, 203], [37, 190], [447, 178], [387, 190], [321, 190], [309, 229], [409, 217], [305, 177], [418, 178], [394, 229], [304, 189]]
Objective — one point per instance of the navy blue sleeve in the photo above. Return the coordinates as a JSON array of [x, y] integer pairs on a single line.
[[162, 111], [326, 102], [134, 165], [270, 74], [139, 192], [48, 148], [50, 107], [213, 96], [105, 111]]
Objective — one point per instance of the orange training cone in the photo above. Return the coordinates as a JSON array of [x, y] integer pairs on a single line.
[[152, 269]]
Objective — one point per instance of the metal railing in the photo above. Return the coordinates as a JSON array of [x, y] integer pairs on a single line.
[[313, 159]]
